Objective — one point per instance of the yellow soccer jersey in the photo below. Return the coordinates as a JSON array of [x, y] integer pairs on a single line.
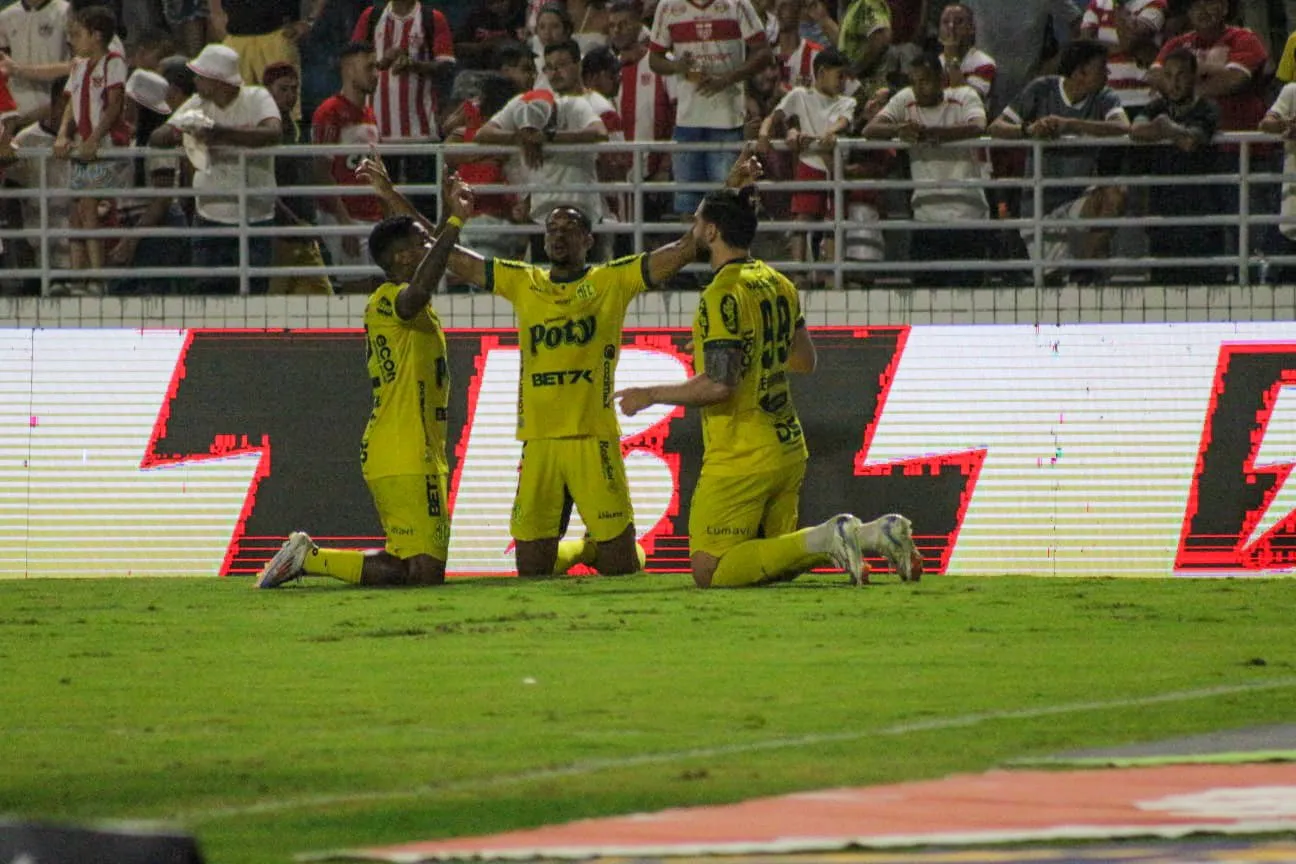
[[411, 387], [570, 339], [748, 303]]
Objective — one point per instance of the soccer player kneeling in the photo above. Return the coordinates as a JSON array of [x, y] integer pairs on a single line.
[[748, 335], [402, 454]]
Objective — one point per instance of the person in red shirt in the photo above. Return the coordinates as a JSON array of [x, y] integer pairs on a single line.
[[1230, 61], [347, 118]]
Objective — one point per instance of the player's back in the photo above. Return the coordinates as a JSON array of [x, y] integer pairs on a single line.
[[409, 373], [569, 335], [750, 305]]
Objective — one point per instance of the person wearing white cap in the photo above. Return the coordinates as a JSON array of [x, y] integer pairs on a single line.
[[146, 110], [225, 113]]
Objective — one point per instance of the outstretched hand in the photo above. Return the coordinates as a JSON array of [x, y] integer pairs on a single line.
[[633, 400], [459, 198], [374, 172], [747, 169]]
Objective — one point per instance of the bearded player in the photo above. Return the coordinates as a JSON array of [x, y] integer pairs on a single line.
[[402, 454], [749, 336]]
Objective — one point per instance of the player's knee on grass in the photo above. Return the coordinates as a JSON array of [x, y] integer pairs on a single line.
[[704, 567], [618, 556], [536, 558]]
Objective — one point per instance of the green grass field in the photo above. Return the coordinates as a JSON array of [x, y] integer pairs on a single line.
[[277, 722]]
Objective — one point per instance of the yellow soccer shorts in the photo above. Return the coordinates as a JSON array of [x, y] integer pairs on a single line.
[[729, 509], [556, 473], [414, 512]]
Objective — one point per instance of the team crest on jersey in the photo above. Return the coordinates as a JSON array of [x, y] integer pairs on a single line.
[[645, 78], [584, 291], [704, 31], [97, 81], [729, 313], [385, 306], [46, 29]]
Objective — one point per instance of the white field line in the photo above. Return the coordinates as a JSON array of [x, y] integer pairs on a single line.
[[592, 766]]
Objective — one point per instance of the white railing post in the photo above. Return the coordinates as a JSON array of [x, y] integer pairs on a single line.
[[1037, 210], [1244, 214], [244, 256], [46, 248], [839, 213]]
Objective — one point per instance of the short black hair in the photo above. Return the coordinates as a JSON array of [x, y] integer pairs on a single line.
[[385, 235], [830, 58], [176, 71], [580, 215], [353, 48], [634, 7], [570, 46], [928, 60], [494, 92], [733, 212], [601, 59], [512, 53], [1079, 52], [100, 20], [1182, 55]]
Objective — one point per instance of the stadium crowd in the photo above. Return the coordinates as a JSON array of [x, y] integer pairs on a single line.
[[224, 82]]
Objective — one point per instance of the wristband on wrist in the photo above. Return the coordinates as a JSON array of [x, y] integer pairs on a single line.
[[455, 222]]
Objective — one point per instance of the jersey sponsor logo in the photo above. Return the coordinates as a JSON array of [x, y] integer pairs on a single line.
[[704, 319], [380, 349], [729, 313], [385, 307], [573, 331], [558, 379]]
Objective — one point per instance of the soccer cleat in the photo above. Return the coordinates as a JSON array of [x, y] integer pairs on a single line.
[[892, 537], [286, 565], [844, 549]]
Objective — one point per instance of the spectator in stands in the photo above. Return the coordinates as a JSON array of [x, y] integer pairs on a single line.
[[262, 32], [190, 22], [33, 52], [1186, 123], [93, 120], [296, 211], [492, 211], [795, 53], [865, 39], [415, 50], [513, 60], [149, 49], [1280, 119], [714, 54], [927, 116], [813, 117], [817, 23], [1131, 30], [867, 206], [330, 32], [963, 62], [601, 80], [489, 25], [146, 110], [1230, 63], [538, 117], [180, 77], [1017, 35], [37, 136], [346, 118], [226, 113], [647, 100], [553, 26], [1076, 102], [590, 18]]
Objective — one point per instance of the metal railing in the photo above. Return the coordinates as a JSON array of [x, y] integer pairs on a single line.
[[1245, 259]]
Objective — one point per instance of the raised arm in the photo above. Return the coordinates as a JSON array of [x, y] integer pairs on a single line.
[[414, 297]]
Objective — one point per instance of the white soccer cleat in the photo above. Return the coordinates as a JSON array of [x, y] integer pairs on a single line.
[[844, 548], [892, 537], [287, 563]]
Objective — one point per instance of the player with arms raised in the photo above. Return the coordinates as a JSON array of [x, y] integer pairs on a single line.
[[402, 454], [570, 317], [748, 336]]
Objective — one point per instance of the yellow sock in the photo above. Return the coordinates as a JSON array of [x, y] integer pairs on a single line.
[[343, 564], [759, 561]]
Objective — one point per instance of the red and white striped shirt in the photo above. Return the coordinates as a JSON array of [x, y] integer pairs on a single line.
[[717, 34], [978, 70], [1124, 74], [405, 104], [647, 107], [88, 87], [798, 67]]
